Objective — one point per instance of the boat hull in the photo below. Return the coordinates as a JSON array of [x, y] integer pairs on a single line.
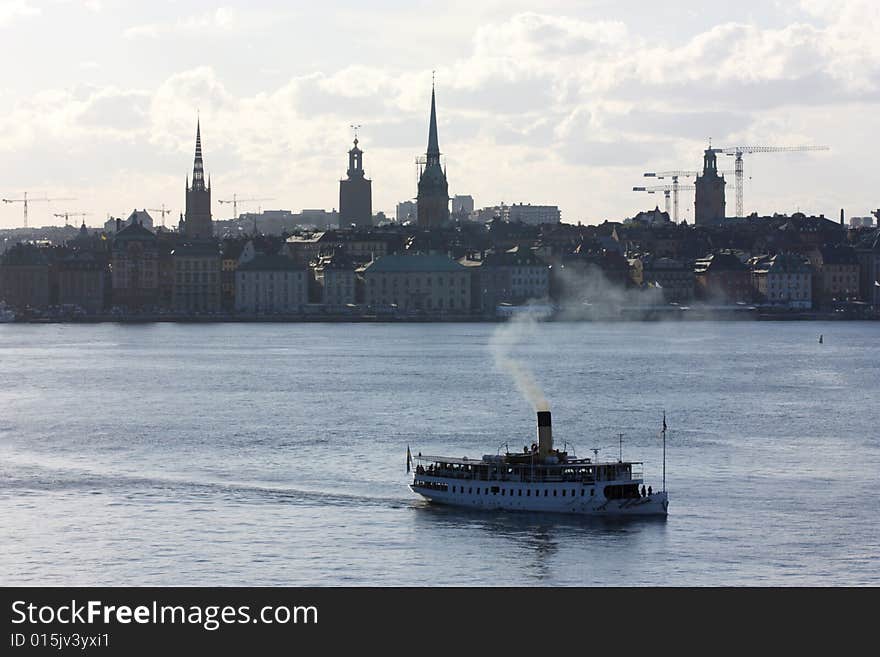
[[650, 505]]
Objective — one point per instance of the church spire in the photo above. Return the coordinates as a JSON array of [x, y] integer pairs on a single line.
[[433, 143], [198, 182]]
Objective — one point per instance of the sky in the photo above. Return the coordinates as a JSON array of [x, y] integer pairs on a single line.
[[557, 102]]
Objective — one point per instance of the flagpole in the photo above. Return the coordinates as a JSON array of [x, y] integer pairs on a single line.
[[664, 451]]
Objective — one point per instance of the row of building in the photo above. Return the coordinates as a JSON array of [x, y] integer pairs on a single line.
[[802, 264]]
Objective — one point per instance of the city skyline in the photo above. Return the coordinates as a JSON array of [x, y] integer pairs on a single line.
[[567, 106]]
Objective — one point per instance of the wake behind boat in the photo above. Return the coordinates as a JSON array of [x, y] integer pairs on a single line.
[[539, 479]]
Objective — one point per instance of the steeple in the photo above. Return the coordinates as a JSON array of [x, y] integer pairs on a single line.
[[355, 162], [198, 183], [433, 143]]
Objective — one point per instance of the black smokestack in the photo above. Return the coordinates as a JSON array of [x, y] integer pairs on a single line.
[[545, 434]]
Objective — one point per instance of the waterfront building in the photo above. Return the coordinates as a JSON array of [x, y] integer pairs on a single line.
[[433, 197], [355, 193], [197, 280], [82, 281], [135, 268], [271, 284], [868, 253], [197, 223], [305, 248], [673, 277], [335, 278], [514, 276], [709, 203], [229, 255], [533, 215], [836, 276], [141, 217], [722, 278], [784, 279], [427, 283], [24, 277]]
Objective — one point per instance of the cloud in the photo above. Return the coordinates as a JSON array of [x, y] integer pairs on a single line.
[[12, 10], [222, 21]]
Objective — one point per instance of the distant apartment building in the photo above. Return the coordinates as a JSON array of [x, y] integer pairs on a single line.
[[335, 277], [836, 274], [513, 276], [868, 254], [270, 284], [722, 278], [783, 280], [24, 277], [429, 283], [135, 268], [406, 211], [83, 281], [533, 215], [197, 277], [673, 277]]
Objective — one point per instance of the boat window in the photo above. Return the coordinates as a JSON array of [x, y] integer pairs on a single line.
[[470, 490], [528, 492], [572, 493], [503, 491], [582, 492], [546, 492], [554, 492], [563, 492], [519, 494], [592, 492]]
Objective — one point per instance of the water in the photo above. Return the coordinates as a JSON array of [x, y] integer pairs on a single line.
[[274, 454]]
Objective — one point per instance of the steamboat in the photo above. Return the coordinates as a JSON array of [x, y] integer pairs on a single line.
[[540, 479]]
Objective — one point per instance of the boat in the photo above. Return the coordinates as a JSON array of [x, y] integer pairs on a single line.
[[540, 479]]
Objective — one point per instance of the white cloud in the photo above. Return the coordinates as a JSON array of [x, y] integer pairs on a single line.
[[12, 10]]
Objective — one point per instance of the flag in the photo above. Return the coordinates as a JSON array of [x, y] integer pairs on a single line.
[[664, 420], [876, 283], [408, 458]]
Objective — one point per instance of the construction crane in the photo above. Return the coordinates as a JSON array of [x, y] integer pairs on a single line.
[[163, 211], [66, 216], [667, 189], [739, 151], [235, 201], [25, 200], [675, 175]]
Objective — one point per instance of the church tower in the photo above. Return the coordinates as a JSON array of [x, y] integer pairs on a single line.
[[433, 198], [709, 198], [355, 192], [198, 198]]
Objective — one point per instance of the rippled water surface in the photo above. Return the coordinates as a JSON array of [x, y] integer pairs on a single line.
[[274, 454]]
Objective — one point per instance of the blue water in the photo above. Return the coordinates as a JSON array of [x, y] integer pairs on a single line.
[[273, 454]]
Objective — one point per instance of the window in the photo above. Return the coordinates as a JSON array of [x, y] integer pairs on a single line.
[[563, 492], [519, 492], [582, 492], [554, 492], [528, 492]]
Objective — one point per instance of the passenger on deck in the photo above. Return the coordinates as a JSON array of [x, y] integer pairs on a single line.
[[650, 492], [643, 490]]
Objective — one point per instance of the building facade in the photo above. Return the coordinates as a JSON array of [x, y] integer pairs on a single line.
[[355, 193], [24, 277], [784, 280], [533, 215], [434, 284], [270, 284], [722, 278], [82, 282], [197, 277], [335, 277], [135, 268]]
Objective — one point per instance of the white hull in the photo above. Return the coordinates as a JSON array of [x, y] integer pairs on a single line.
[[537, 497]]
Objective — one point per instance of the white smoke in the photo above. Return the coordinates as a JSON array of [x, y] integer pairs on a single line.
[[506, 337]]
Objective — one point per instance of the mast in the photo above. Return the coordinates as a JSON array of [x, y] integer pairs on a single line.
[[664, 451]]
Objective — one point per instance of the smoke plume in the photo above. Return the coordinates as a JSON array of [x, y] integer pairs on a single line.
[[506, 337]]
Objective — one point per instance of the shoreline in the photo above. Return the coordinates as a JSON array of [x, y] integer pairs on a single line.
[[735, 316]]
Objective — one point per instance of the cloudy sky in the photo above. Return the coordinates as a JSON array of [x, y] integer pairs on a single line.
[[554, 102]]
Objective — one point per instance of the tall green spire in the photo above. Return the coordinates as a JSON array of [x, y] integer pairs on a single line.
[[433, 143]]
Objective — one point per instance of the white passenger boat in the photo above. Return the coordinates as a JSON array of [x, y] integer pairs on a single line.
[[540, 479]]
